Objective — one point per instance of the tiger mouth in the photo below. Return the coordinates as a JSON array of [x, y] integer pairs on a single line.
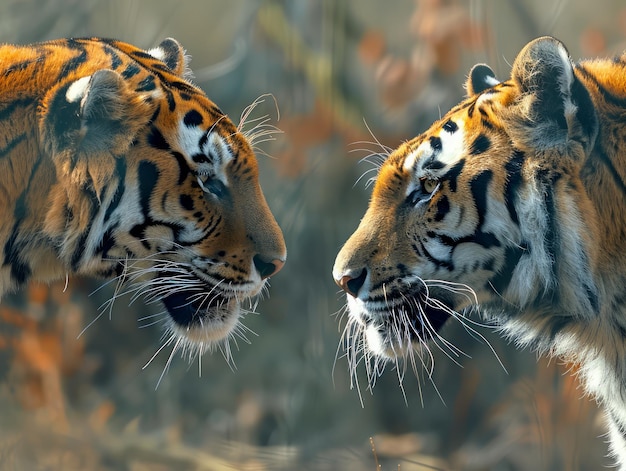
[[201, 313], [424, 321], [412, 322], [188, 310]]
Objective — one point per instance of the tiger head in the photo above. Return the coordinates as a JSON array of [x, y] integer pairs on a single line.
[[486, 208], [147, 180]]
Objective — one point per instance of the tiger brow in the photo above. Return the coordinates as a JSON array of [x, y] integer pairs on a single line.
[[433, 164]]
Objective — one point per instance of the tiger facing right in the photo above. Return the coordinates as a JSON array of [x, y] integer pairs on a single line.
[[514, 203], [114, 164]]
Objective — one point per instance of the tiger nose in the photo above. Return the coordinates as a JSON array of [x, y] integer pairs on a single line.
[[267, 268], [352, 284]]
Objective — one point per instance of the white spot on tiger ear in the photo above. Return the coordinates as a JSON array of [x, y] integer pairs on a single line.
[[77, 90], [567, 78], [157, 53], [491, 81]]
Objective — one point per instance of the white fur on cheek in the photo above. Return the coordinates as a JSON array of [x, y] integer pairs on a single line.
[[375, 340], [356, 309]]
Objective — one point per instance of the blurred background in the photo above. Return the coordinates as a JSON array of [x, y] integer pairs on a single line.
[[335, 68]]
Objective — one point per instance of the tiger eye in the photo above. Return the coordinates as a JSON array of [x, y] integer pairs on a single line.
[[429, 184]]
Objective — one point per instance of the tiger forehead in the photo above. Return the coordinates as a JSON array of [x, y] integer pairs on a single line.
[[436, 150], [463, 130], [210, 148]]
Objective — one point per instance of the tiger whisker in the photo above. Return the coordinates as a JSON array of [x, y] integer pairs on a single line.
[[467, 291], [369, 181], [453, 349], [242, 330], [165, 344], [150, 324], [261, 131], [400, 371], [350, 338], [149, 316], [458, 288], [93, 321], [373, 157], [428, 367], [250, 108], [169, 361], [386, 149], [464, 321], [423, 343]]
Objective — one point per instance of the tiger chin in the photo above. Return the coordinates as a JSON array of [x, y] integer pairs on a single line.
[[513, 205], [114, 164]]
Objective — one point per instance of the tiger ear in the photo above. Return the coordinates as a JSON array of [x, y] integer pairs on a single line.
[[480, 78], [108, 115], [553, 99], [87, 124], [172, 53]]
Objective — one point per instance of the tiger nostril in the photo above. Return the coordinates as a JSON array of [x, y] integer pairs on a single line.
[[352, 285], [267, 269]]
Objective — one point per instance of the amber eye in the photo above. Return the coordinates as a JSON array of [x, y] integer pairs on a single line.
[[429, 185], [424, 192]]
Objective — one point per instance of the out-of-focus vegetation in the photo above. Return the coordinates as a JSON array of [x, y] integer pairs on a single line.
[[75, 402]]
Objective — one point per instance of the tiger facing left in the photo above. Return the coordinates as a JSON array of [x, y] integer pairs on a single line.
[[113, 164]]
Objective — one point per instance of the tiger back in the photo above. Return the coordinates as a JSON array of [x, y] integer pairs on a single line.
[[113, 164]]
